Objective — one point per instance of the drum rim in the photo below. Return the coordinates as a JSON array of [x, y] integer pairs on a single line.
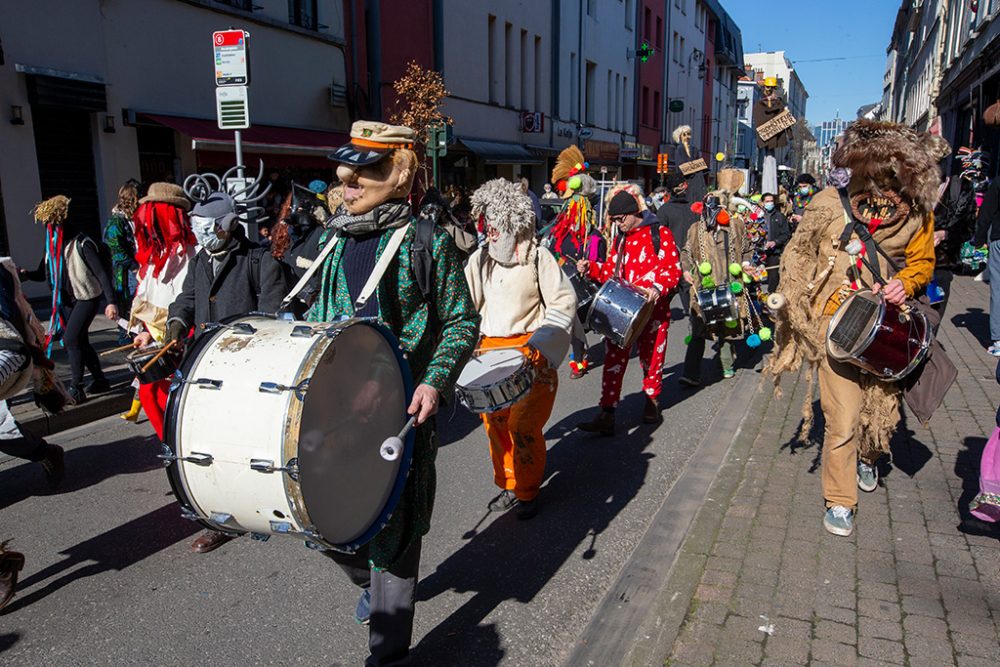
[[525, 369], [919, 357], [628, 333], [869, 337], [409, 444]]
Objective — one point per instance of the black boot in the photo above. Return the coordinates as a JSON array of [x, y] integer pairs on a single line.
[[78, 394], [602, 424]]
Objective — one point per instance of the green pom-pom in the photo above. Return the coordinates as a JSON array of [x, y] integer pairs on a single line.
[[765, 333], [747, 279], [735, 269], [736, 287], [707, 282], [574, 182], [687, 339], [705, 268], [732, 324]]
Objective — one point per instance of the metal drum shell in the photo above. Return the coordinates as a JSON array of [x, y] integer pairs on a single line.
[[499, 395], [619, 312]]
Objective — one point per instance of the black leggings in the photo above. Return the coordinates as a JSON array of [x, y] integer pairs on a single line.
[[76, 338]]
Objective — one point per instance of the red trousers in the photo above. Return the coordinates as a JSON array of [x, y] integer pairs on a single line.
[[153, 397], [652, 346]]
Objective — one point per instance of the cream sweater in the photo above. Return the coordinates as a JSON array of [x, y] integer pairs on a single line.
[[521, 299]]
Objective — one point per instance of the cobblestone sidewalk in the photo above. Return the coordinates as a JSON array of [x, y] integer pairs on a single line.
[[917, 584]]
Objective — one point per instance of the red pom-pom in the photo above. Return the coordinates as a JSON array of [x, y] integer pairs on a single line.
[[561, 185], [697, 207], [722, 218]]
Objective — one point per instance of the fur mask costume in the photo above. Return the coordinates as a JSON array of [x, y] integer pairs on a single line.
[[893, 186], [505, 208]]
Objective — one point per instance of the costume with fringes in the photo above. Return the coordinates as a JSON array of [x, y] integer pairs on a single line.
[[892, 189]]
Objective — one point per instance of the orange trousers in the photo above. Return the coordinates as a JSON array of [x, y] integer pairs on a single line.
[[517, 444]]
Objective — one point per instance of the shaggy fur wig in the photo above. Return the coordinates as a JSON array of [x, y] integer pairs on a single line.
[[507, 209], [678, 131], [891, 156]]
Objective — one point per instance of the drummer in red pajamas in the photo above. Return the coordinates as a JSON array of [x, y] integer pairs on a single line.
[[653, 266]]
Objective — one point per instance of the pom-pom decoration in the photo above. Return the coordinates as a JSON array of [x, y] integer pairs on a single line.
[[732, 324], [735, 269], [705, 268], [574, 182], [736, 287], [753, 341], [765, 333], [707, 282], [723, 218], [687, 339], [697, 207]]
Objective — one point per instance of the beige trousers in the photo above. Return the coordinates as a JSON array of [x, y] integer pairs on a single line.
[[840, 397]]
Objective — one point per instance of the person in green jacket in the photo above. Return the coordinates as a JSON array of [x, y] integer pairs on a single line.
[[437, 332]]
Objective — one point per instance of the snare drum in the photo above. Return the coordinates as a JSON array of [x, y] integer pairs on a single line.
[[717, 305], [161, 369], [494, 380], [585, 290], [275, 427], [878, 337], [619, 312]]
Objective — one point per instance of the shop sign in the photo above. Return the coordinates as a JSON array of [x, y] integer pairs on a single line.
[[601, 150]]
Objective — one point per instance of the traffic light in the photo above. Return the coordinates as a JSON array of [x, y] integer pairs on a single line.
[[437, 139]]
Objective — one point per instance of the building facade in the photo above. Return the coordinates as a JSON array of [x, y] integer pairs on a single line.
[[914, 70], [135, 98]]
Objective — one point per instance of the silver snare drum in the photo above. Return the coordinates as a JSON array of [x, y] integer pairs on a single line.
[[717, 305], [494, 380], [620, 312]]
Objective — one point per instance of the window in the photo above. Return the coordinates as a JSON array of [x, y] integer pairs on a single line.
[[303, 13], [629, 13], [676, 46], [609, 119], [537, 106], [574, 92], [592, 8], [699, 16], [245, 5], [591, 93], [647, 21], [626, 94], [656, 109], [525, 102], [618, 102], [508, 64], [659, 33], [491, 56], [645, 105], [680, 52]]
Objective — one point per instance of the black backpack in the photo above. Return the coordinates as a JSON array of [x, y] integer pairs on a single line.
[[422, 256]]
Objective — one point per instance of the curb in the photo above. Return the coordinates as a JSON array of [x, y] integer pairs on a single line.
[[99, 407], [639, 612]]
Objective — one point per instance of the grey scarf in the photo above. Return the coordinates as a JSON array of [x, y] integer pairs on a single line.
[[388, 215]]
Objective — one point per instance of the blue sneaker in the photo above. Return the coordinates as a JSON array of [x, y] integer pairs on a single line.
[[839, 520], [363, 612], [867, 476]]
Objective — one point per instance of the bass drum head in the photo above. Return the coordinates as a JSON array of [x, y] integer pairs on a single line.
[[357, 397]]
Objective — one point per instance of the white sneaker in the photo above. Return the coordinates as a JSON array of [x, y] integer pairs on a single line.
[[994, 349], [867, 477], [839, 520]]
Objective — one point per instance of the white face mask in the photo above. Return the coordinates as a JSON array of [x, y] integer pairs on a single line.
[[769, 206], [205, 232]]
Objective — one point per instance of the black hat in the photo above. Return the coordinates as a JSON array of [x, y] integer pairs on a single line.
[[805, 178], [623, 203], [674, 178]]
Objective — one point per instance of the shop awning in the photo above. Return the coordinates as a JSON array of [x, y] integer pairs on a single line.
[[265, 139], [500, 152]]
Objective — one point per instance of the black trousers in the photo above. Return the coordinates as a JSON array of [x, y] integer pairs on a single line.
[[16, 442], [76, 338], [394, 595]]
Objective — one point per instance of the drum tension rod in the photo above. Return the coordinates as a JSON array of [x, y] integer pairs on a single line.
[[196, 458], [204, 383], [267, 466], [276, 388], [240, 327]]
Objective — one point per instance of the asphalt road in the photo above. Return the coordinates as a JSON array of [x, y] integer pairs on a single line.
[[110, 579]]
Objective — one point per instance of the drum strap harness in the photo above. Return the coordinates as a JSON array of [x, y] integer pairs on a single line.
[[872, 248], [380, 267]]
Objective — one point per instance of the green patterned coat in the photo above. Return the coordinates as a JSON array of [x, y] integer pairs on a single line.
[[436, 355]]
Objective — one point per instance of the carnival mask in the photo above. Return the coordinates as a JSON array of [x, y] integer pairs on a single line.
[[369, 186], [213, 221]]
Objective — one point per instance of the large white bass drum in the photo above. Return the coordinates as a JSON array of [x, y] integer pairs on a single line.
[[277, 427]]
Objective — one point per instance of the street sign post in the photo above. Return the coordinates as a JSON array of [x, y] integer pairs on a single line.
[[232, 108], [232, 62]]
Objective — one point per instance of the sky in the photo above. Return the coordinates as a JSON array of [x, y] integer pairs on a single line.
[[858, 30]]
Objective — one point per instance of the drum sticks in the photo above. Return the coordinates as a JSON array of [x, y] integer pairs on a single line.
[[149, 364], [122, 348]]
